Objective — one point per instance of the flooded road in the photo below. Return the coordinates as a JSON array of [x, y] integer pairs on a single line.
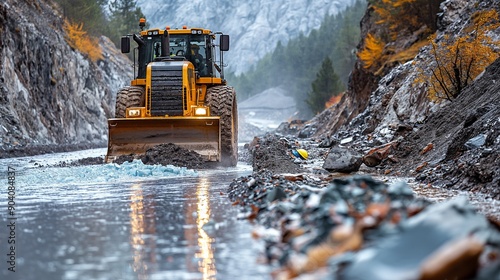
[[136, 222], [180, 227]]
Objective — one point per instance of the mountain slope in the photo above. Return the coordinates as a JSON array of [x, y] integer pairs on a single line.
[[255, 27]]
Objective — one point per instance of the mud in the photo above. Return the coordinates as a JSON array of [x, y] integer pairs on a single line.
[[170, 154], [165, 154], [83, 161]]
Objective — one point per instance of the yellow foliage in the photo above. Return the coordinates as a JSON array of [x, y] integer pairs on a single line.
[[457, 62], [397, 14], [388, 9], [78, 39], [407, 54], [371, 54]]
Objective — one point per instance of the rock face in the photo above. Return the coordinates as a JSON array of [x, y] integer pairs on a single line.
[[49, 92], [466, 139], [255, 27]]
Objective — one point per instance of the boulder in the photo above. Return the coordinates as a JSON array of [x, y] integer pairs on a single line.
[[343, 160]]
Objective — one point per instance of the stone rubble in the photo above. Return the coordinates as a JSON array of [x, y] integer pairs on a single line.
[[323, 225]]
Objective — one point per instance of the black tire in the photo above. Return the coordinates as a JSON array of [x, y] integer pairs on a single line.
[[222, 102], [130, 96]]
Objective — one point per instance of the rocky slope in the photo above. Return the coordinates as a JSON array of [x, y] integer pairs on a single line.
[[49, 92], [255, 27], [465, 140], [386, 125], [454, 144]]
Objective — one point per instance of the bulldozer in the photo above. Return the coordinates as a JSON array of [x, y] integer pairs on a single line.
[[178, 95]]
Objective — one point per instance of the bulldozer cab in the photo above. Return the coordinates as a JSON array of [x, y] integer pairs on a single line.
[[194, 45], [195, 48]]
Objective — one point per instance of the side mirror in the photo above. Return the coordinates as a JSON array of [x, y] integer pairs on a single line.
[[224, 43], [125, 44]]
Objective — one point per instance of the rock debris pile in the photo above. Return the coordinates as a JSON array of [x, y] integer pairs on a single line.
[[169, 154], [361, 228], [81, 162], [272, 152]]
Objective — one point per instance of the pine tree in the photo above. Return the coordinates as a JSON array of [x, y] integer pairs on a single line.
[[326, 85], [124, 18], [87, 12], [344, 52]]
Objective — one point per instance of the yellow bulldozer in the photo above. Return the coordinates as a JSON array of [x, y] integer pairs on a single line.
[[179, 95]]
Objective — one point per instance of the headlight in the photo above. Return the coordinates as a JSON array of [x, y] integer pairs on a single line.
[[134, 112], [200, 111]]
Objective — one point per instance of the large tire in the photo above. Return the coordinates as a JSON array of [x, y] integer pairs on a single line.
[[130, 96], [222, 102]]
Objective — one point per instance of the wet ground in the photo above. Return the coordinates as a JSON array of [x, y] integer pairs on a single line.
[[83, 220], [181, 226], [482, 202]]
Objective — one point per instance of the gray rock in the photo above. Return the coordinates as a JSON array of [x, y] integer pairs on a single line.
[[343, 160], [401, 255], [476, 142]]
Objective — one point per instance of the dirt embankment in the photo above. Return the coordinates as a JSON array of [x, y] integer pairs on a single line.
[[313, 222]]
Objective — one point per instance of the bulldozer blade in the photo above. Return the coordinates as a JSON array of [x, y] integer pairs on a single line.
[[136, 136]]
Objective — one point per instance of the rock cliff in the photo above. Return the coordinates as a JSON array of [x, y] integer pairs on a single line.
[[49, 92]]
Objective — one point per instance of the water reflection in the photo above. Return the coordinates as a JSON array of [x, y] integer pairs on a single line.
[[198, 214], [206, 264], [171, 228], [142, 232]]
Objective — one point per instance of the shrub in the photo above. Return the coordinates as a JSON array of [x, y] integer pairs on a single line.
[[458, 61]]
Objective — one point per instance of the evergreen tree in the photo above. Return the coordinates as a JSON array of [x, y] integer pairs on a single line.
[[294, 65], [90, 13], [344, 52], [326, 85], [124, 18]]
